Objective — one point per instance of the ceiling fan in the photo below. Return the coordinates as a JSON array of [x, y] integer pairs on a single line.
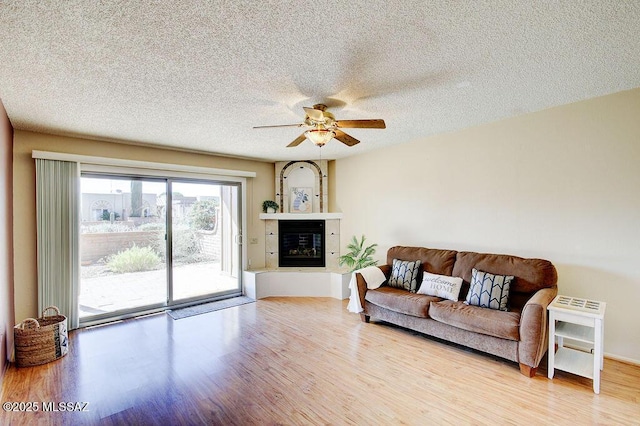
[[323, 126]]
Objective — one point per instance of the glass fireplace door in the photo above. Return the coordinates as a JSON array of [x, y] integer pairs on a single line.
[[301, 243]]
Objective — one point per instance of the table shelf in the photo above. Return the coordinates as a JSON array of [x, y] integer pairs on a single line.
[[577, 332], [575, 362]]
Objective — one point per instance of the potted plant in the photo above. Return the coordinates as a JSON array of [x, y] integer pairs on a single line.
[[358, 256], [269, 206]]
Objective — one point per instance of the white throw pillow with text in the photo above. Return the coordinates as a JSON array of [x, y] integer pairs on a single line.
[[440, 286]]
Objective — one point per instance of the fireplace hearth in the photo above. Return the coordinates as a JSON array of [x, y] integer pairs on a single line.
[[301, 243]]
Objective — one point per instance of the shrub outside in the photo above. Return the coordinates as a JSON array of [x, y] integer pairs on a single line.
[[135, 259]]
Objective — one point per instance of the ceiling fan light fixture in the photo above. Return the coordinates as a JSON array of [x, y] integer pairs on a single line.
[[320, 136], [323, 127]]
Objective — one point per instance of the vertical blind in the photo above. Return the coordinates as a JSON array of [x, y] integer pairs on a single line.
[[57, 205]]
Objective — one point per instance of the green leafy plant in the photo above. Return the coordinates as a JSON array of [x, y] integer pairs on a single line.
[[135, 259], [204, 215], [106, 215], [358, 256], [152, 226], [269, 204], [104, 227], [186, 245]]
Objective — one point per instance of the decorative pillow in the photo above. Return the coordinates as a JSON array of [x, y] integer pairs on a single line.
[[489, 290], [404, 274], [440, 286]]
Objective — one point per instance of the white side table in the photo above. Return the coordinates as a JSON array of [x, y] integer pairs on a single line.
[[580, 320]]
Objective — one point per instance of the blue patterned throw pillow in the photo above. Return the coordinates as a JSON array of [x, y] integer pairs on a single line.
[[489, 290], [404, 274]]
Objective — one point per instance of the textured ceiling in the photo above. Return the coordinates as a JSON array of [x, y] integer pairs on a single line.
[[199, 75]]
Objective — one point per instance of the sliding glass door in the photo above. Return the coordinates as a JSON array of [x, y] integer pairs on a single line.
[[205, 235], [122, 245], [150, 243]]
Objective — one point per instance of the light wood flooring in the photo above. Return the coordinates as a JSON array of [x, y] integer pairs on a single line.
[[301, 361]]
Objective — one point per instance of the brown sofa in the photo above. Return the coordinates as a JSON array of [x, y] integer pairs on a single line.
[[519, 334]]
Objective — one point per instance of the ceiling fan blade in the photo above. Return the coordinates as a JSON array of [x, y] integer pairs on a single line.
[[345, 138], [279, 125], [297, 141], [314, 114], [363, 124]]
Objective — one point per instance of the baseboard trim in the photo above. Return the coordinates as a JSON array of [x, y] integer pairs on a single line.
[[622, 359], [586, 348]]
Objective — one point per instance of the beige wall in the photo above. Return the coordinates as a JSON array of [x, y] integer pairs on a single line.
[[26, 302], [6, 240], [561, 184]]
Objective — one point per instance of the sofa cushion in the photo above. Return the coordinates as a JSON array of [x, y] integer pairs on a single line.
[[440, 286], [404, 274], [489, 290], [530, 275], [436, 261], [401, 301], [479, 320]]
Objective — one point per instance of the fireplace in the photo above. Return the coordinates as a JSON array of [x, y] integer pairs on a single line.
[[301, 243]]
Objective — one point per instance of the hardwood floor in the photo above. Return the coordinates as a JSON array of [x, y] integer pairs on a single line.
[[300, 361]]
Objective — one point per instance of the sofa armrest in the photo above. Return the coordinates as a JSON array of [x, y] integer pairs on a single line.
[[362, 285], [362, 288], [533, 327], [386, 270]]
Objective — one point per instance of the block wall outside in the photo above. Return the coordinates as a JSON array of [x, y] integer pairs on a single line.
[[96, 246], [211, 244]]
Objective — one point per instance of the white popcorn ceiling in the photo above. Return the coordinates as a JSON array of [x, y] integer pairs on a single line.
[[199, 75]]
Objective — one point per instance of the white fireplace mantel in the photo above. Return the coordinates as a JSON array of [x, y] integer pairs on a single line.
[[300, 216]]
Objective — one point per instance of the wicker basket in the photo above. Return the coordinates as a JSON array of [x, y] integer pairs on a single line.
[[41, 340]]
